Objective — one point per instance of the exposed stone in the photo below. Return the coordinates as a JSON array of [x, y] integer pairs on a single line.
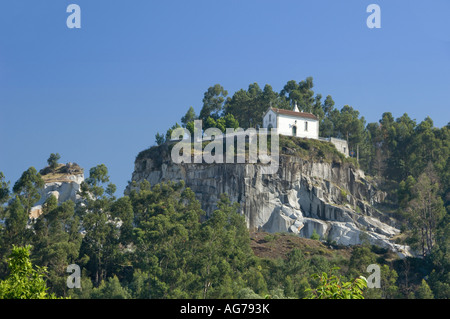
[[62, 186], [334, 199], [35, 212], [63, 191]]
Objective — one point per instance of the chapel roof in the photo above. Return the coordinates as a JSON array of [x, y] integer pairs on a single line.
[[295, 114]]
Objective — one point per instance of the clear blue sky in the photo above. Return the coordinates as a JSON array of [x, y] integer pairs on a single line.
[[99, 94]]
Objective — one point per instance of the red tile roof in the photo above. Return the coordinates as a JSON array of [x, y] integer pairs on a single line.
[[296, 114]]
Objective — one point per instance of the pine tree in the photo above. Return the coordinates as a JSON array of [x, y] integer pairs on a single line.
[[424, 291], [425, 210]]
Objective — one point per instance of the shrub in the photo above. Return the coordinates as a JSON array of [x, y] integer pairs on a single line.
[[315, 235], [53, 160], [24, 280], [331, 287], [268, 238]]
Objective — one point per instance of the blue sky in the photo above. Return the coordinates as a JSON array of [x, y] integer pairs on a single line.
[[99, 94]]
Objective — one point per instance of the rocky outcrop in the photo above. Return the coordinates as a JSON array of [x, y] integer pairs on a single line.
[[333, 200], [63, 190], [63, 183]]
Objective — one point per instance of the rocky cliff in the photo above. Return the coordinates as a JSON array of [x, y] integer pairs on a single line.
[[332, 199], [62, 182]]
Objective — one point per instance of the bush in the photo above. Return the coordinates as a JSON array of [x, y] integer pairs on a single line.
[[269, 238], [248, 293], [315, 235], [331, 287], [24, 281], [53, 160]]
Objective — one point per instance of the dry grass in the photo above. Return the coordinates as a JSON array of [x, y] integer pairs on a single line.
[[61, 173], [273, 246]]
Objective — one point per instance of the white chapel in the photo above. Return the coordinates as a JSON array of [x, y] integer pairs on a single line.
[[299, 124]]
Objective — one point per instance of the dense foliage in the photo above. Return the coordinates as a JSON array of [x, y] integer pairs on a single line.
[[157, 243], [331, 287], [24, 281]]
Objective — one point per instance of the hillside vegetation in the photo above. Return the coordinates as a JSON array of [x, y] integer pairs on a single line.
[[157, 243]]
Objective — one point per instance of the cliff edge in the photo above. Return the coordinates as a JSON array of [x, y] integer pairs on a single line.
[[308, 195]]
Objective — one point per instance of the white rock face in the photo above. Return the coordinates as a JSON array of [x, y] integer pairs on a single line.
[[333, 199], [63, 190]]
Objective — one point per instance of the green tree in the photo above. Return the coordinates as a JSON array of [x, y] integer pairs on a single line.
[[331, 286], [110, 289], [405, 191], [191, 128], [319, 264], [168, 136], [240, 106], [348, 125], [139, 285], [167, 218], [318, 108], [122, 212], [295, 268], [328, 105], [300, 93], [24, 281], [57, 241], [248, 293], [399, 143], [425, 211], [95, 184], [213, 102], [439, 280], [254, 279], [227, 121], [375, 158], [27, 188], [101, 240], [4, 191], [209, 123], [270, 98], [190, 116], [425, 147], [424, 291], [178, 255], [388, 284], [16, 220], [86, 290], [53, 160], [222, 123], [4, 197], [361, 258], [315, 235], [248, 106], [225, 252], [160, 139]]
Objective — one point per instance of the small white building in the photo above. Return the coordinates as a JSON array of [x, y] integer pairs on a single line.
[[299, 124], [292, 123]]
